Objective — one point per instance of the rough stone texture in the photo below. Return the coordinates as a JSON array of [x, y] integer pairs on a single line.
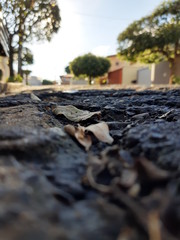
[[44, 193]]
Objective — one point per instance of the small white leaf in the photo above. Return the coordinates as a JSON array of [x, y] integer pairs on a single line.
[[35, 98], [101, 132]]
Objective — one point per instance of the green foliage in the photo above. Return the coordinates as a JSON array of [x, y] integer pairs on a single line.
[[28, 20], [149, 57], [16, 78], [67, 70], [32, 19], [47, 82], [90, 66], [27, 57], [10, 79], [27, 72], [153, 38], [80, 77], [176, 80]]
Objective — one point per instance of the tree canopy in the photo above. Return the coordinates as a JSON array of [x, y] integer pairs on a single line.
[[27, 57], [67, 70], [154, 38], [89, 65], [28, 20]]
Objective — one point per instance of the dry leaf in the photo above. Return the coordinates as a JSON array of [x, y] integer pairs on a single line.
[[79, 134], [148, 171], [35, 98], [154, 225], [101, 132], [166, 114], [83, 139], [70, 129], [74, 114]]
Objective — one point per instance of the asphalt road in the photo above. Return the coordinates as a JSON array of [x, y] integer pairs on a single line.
[[52, 188]]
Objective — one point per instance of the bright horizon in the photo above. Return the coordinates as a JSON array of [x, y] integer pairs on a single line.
[[86, 26]]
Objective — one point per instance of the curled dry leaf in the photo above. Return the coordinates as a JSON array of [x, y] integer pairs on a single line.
[[147, 171], [79, 134], [154, 225], [101, 132], [35, 98], [83, 139], [74, 114], [70, 129]]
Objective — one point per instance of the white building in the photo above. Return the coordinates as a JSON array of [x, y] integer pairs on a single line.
[[34, 81], [4, 52]]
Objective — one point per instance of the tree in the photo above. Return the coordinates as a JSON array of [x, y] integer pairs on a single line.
[[27, 20], [154, 38], [27, 57], [89, 65], [67, 70], [26, 73], [47, 82]]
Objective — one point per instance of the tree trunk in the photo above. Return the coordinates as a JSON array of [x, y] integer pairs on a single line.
[[90, 80], [20, 42], [174, 69], [11, 54], [20, 58], [26, 79]]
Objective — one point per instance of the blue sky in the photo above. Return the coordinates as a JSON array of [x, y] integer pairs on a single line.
[[86, 26]]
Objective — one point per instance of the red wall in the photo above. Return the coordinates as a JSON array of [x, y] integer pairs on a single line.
[[115, 77]]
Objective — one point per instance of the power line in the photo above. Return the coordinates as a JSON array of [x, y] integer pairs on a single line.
[[101, 16]]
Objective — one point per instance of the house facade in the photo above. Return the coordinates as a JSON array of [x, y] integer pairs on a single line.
[[126, 73], [4, 52], [155, 74], [160, 73], [122, 72], [68, 79], [144, 77]]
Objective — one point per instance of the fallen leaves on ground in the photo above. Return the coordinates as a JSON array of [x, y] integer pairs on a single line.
[[82, 134], [150, 173], [166, 114], [101, 132], [35, 98], [74, 114], [79, 133], [142, 188]]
